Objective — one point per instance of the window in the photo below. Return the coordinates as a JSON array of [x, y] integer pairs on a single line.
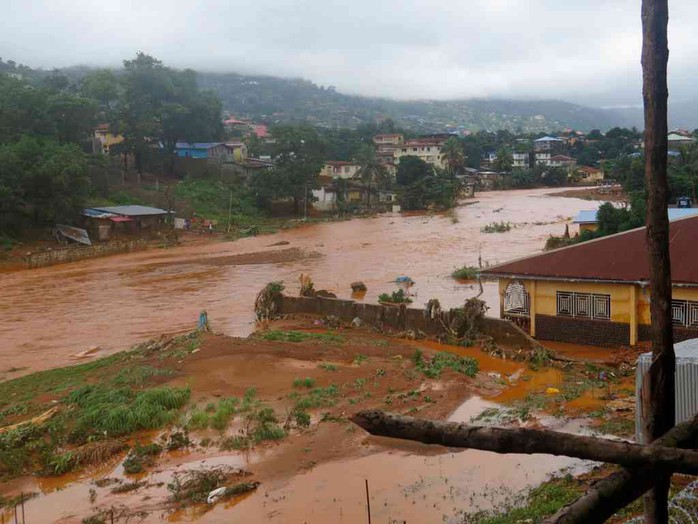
[[414, 149], [584, 305], [684, 313], [516, 299]]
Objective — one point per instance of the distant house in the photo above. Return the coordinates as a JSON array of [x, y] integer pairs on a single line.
[[388, 139], [547, 143], [562, 161], [209, 150], [597, 292], [428, 149], [340, 169], [105, 222], [676, 140], [103, 139], [543, 158], [238, 150], [588, 219], [589, 175], [522, 160]]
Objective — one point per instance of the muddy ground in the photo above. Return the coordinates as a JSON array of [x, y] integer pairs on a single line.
[[315, 473]]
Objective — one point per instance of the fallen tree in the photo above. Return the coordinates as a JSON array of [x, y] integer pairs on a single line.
[[530, 441]]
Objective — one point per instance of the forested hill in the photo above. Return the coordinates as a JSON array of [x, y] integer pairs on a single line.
[[273, 99]]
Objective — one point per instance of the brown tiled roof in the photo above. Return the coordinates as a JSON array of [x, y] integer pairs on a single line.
[[616, 258]]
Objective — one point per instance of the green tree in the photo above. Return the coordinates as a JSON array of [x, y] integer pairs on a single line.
[[41, 183], [299, 155], [453, 156], [412, 169], [504, 162], [371, 172]]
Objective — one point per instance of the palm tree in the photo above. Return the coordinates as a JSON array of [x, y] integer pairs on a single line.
[[452, 153], [371, 170]]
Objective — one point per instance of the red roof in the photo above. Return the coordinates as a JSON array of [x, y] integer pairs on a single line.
[[587, 169], [121, 219], [388, 135], [616, 258], [562, 158]]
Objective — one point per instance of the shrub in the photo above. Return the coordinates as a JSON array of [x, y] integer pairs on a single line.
[[496, 227], [396, 297], [465, 273]]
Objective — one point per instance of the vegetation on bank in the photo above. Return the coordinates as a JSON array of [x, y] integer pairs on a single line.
[[466, 273], [496, 227]]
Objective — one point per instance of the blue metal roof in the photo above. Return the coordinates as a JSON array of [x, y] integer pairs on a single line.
[[197, 145], [589, 216], [549, 139]]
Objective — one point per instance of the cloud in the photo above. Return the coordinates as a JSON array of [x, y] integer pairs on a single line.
[[584, 50]]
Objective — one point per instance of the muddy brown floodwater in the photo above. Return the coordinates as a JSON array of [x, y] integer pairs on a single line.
[[49, 315]]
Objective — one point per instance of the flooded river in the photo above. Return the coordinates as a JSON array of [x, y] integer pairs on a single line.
[[48, 315]]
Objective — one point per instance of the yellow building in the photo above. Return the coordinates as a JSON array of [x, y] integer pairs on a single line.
[[104, 140], [597, 292]]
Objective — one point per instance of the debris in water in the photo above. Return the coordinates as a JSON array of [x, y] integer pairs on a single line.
[[280, 243], [358, 286], [88, 352], [552, 391]]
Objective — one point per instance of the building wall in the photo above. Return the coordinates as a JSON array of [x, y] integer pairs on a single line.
[[588, 227], [629, 316], [431, 154]]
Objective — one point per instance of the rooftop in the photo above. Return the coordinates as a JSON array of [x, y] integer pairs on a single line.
[[549, 139], [615, 258], [562, 158], [589, 216], [125, 211], [197, 145]]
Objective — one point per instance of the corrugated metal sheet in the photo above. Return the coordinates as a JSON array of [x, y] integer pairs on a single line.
[[133, 210], [74, 233], [686, 376]]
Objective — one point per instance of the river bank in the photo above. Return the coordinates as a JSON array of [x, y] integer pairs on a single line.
[[48, 315], [310, 470]]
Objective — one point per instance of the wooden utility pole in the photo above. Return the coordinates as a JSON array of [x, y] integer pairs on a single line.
[[659, 399]]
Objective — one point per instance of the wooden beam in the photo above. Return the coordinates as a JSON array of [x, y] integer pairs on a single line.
[[528, 441]]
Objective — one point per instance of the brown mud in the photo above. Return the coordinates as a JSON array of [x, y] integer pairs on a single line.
[[49, 314], [318, 474]]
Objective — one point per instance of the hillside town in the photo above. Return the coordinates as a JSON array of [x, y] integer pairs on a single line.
[[239, 298]]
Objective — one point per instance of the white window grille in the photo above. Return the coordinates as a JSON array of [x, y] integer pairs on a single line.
[[684, 313], [517, 300], [583, 305]]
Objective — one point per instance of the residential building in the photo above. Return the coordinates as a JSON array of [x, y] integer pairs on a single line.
[[589, 175], [428, 149], [548, 143], [103, 139], [208, 150], [340, 169], [238, 150], [676, 140], [588, 218], [543, 158], [105, 222], [393, 139], [522, 160], [597, 292], [562, 161]]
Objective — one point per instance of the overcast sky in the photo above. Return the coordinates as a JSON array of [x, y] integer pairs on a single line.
[[585, 51]]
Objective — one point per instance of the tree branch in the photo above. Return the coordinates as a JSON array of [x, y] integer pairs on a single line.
[[529, 441]]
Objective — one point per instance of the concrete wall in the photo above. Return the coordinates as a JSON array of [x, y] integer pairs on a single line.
[[63, 256], [400, 318]]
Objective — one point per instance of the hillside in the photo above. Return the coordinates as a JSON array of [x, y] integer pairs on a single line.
[[273, 99]]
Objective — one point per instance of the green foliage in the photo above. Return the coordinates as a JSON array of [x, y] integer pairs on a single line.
[[396, 297], [541, 502], [299, 155], [41, 183], [301, 418], [140, 457], [496, 227], [504, 161], [326, 366], [306, 382], [301, 336], [466, 273], [317, 398], [434, 366], [115, 412]]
